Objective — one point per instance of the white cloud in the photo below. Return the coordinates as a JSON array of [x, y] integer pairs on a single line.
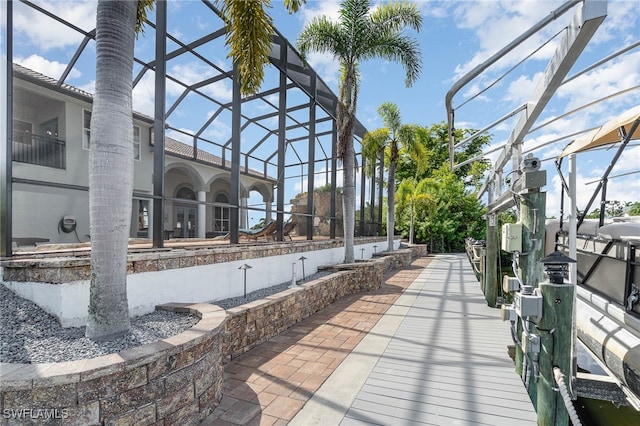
[[329, 8], [195, 72], [620, 74], [521, 89], [320, 180], [180, 136], [327, 66], [621, 23], [48, 34], [144, 95], [496, 23], [44, 66]]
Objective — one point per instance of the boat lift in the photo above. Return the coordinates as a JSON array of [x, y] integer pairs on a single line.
[[515, 179]]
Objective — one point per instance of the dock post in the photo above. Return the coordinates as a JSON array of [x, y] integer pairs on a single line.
[[556, 340], [491, 261], [532, 215]]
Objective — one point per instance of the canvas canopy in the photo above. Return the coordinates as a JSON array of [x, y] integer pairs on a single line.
[[605, 134]]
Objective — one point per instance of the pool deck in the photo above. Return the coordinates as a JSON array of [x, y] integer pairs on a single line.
[[423, 349]]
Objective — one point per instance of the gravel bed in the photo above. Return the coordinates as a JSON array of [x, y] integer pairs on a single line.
[[30, 335], [232, 302]]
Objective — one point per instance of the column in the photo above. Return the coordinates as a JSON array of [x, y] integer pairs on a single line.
[[202, 214]]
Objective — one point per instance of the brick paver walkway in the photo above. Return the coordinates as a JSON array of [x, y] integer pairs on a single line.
[[271, 383]]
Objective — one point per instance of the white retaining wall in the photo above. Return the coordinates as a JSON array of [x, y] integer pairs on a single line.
[[69, 301]]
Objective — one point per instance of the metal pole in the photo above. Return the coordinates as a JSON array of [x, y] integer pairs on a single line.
[[234, 191], [282, 141], [244, 268], [380, 202], [334, 143], [159, 124], [6, 217], [302, 259], [312, 159], [363, 185]]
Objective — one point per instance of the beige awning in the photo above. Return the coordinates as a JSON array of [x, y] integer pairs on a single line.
[[604, 135]]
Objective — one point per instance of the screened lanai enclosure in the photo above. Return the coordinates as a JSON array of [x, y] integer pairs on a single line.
[[208, 162]]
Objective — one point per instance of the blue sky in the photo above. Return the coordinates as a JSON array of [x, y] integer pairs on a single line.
[[456, 36]]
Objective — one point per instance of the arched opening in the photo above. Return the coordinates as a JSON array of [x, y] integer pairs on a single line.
[[221, 214], [186, 215]]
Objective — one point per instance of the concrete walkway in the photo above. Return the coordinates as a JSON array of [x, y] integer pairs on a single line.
[[423, 349]]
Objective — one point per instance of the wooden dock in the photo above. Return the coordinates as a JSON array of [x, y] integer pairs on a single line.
[[437, 357]]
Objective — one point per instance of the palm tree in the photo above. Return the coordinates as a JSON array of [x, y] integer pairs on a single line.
[[389, 140], [111, 166], [111, 169], [359, 35], [415, 197], [111, 147]]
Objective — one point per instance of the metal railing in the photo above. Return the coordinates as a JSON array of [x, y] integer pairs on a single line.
[[39, 150]]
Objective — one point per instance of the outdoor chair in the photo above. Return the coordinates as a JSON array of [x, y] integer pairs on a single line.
[[288, 228], [266, 231]]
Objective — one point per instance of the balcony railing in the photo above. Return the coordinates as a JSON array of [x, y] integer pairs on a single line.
[[39, 150]]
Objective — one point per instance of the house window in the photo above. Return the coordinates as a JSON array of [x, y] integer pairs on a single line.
[[86, 128], [22, 131], [221, 214], [143, 218], [136, 143], [86, 134]]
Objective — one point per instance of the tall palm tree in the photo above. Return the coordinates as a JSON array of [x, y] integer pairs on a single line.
[[415, 197], [389, 140], [111, 146], [111, 169], [361, 34], [111, 166]]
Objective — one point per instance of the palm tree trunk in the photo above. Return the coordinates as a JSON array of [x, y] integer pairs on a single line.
[[111, 170], [349, 201], [411, 226], [346, 124], [391, 198]]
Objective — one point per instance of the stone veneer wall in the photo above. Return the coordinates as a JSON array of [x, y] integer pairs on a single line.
[[178, 380], [54, 269], [253, 323], [174, 381]]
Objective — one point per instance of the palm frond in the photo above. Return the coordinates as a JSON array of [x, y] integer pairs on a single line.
[[249, 36], [395, 16], [321, 35], [397, 48]]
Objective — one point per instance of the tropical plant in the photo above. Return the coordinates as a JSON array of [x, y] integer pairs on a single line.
[[635, 209], [361, 34], [413, 198], [390, 140], [249, 35], [436, 141], [455, 215]]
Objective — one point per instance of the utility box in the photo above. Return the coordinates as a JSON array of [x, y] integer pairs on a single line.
[[528, 305], [512, 237], [530, 343], [510, 284], [532, 180]]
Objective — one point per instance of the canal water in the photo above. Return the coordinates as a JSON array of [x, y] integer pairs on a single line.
[[594, 412]]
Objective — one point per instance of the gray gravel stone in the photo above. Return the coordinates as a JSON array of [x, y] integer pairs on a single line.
[[30, 335]]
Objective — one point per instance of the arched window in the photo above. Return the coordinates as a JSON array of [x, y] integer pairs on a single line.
[[185, 215], [186, 193], [221, 214]]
